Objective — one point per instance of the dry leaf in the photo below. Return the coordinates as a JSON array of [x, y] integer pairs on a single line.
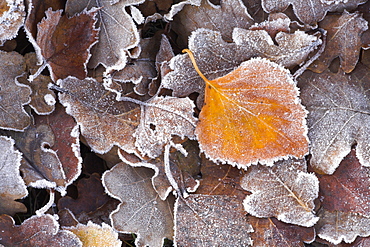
[[41, 231], [12, 16], [216, 58], [252, 115], [12, 185], [343, 41], [92, 235], [118, 32], [310, 12], [104, 122], [285, 191], [142, 211], [347, 189], [13, 95], [222, 18], [211, 220], [63, 45], [338, 108], [161, 118], [340, 226], [271, 232]]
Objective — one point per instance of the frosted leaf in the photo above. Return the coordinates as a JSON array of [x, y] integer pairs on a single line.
[[222, 18], [312, 11], [12, 16], [344, 34], [95, 235], [338, 226], [142, 211], [104, 121], [161, 118], [42, 231], [13, 95], [118, 32], [12, 185], [211, 220], [285, 191], [216, 58], [176, 8], [338, 116]]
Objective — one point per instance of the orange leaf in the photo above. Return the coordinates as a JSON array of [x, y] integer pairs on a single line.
[[252, 115]]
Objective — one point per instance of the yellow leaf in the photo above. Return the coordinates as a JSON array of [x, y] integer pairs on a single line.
[[253, 114]]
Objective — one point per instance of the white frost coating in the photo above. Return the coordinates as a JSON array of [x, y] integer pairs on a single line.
[[176, 8], [11, 20], [328, 2], [49, 99], [43, 184], [48, 205], [75, 133], [285, 191], [137, 15]]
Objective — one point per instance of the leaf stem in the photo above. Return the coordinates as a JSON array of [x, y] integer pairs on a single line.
[[192, 58]]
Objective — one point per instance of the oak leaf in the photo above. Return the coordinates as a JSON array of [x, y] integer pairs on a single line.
[[12, 16], [271, 232], [216, 58], [95, 235], [42, 231], [252, 115], [118, 32], [285, 191], [338, 108], [310, 12], [343, 41], [12, 185], [222, 18], [63, 45], [104, 121], [211, 220], [13, 95], [142, 211]]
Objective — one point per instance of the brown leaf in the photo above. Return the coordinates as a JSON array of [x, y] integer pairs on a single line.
[[104, 121], [36, 11], [13, 95], [211, 220], [222, 18], [161, 118], [216, 58], [118, 32], [12, 16], [310, 12], [336, 226], [89, 190], [141, 211], [12, 185], [338, 107], [285, 191], [42, 231], [271, 232], [95, 235], [343, 41], [221, 180], [67, 141], [350, 181], [64, 45]]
